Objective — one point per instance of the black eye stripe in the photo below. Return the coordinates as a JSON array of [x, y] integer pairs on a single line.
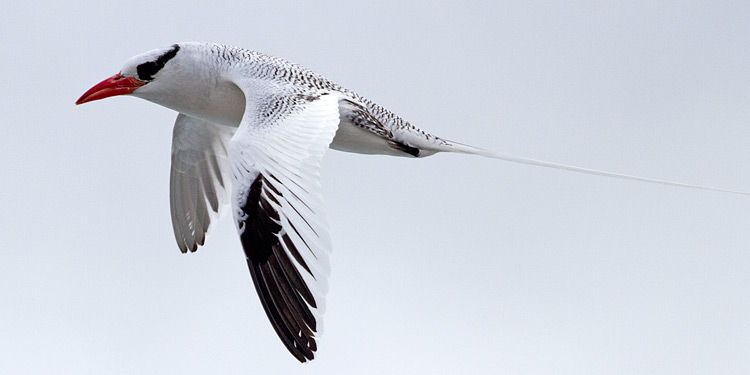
[[147, 70]]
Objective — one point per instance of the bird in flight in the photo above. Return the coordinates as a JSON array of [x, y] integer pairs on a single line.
[[251, 131]]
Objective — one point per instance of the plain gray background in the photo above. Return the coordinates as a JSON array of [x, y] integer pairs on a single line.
[[451, 264]]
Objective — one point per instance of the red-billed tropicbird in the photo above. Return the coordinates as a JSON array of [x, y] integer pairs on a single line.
[[260, 124]]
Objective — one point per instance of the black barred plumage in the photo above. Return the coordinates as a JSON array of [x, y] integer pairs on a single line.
[[303, 81]]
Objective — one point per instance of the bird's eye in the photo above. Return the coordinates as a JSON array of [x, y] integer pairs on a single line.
[[147, 70]]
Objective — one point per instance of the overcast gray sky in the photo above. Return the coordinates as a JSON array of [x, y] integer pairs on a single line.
[[451, 264]]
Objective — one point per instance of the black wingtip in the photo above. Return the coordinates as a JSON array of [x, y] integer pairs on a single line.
[[286, 298]]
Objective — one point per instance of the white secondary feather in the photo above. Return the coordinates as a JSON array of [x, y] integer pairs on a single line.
[[199, 181]]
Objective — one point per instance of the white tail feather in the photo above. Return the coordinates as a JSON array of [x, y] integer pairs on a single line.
[[466, 149]]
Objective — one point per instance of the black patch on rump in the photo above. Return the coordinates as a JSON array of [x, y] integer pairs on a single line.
[[281, 288], [147, 70]]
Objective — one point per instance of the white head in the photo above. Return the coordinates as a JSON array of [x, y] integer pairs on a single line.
[[182, 77], [138, 72]]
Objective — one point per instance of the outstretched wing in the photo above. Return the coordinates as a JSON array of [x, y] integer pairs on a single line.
[[275, 159], [199, 181]]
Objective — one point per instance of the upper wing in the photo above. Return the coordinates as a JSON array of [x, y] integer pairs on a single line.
[[275, 158], [199, 180]]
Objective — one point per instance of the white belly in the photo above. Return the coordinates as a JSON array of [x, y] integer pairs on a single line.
[[350, 138]]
